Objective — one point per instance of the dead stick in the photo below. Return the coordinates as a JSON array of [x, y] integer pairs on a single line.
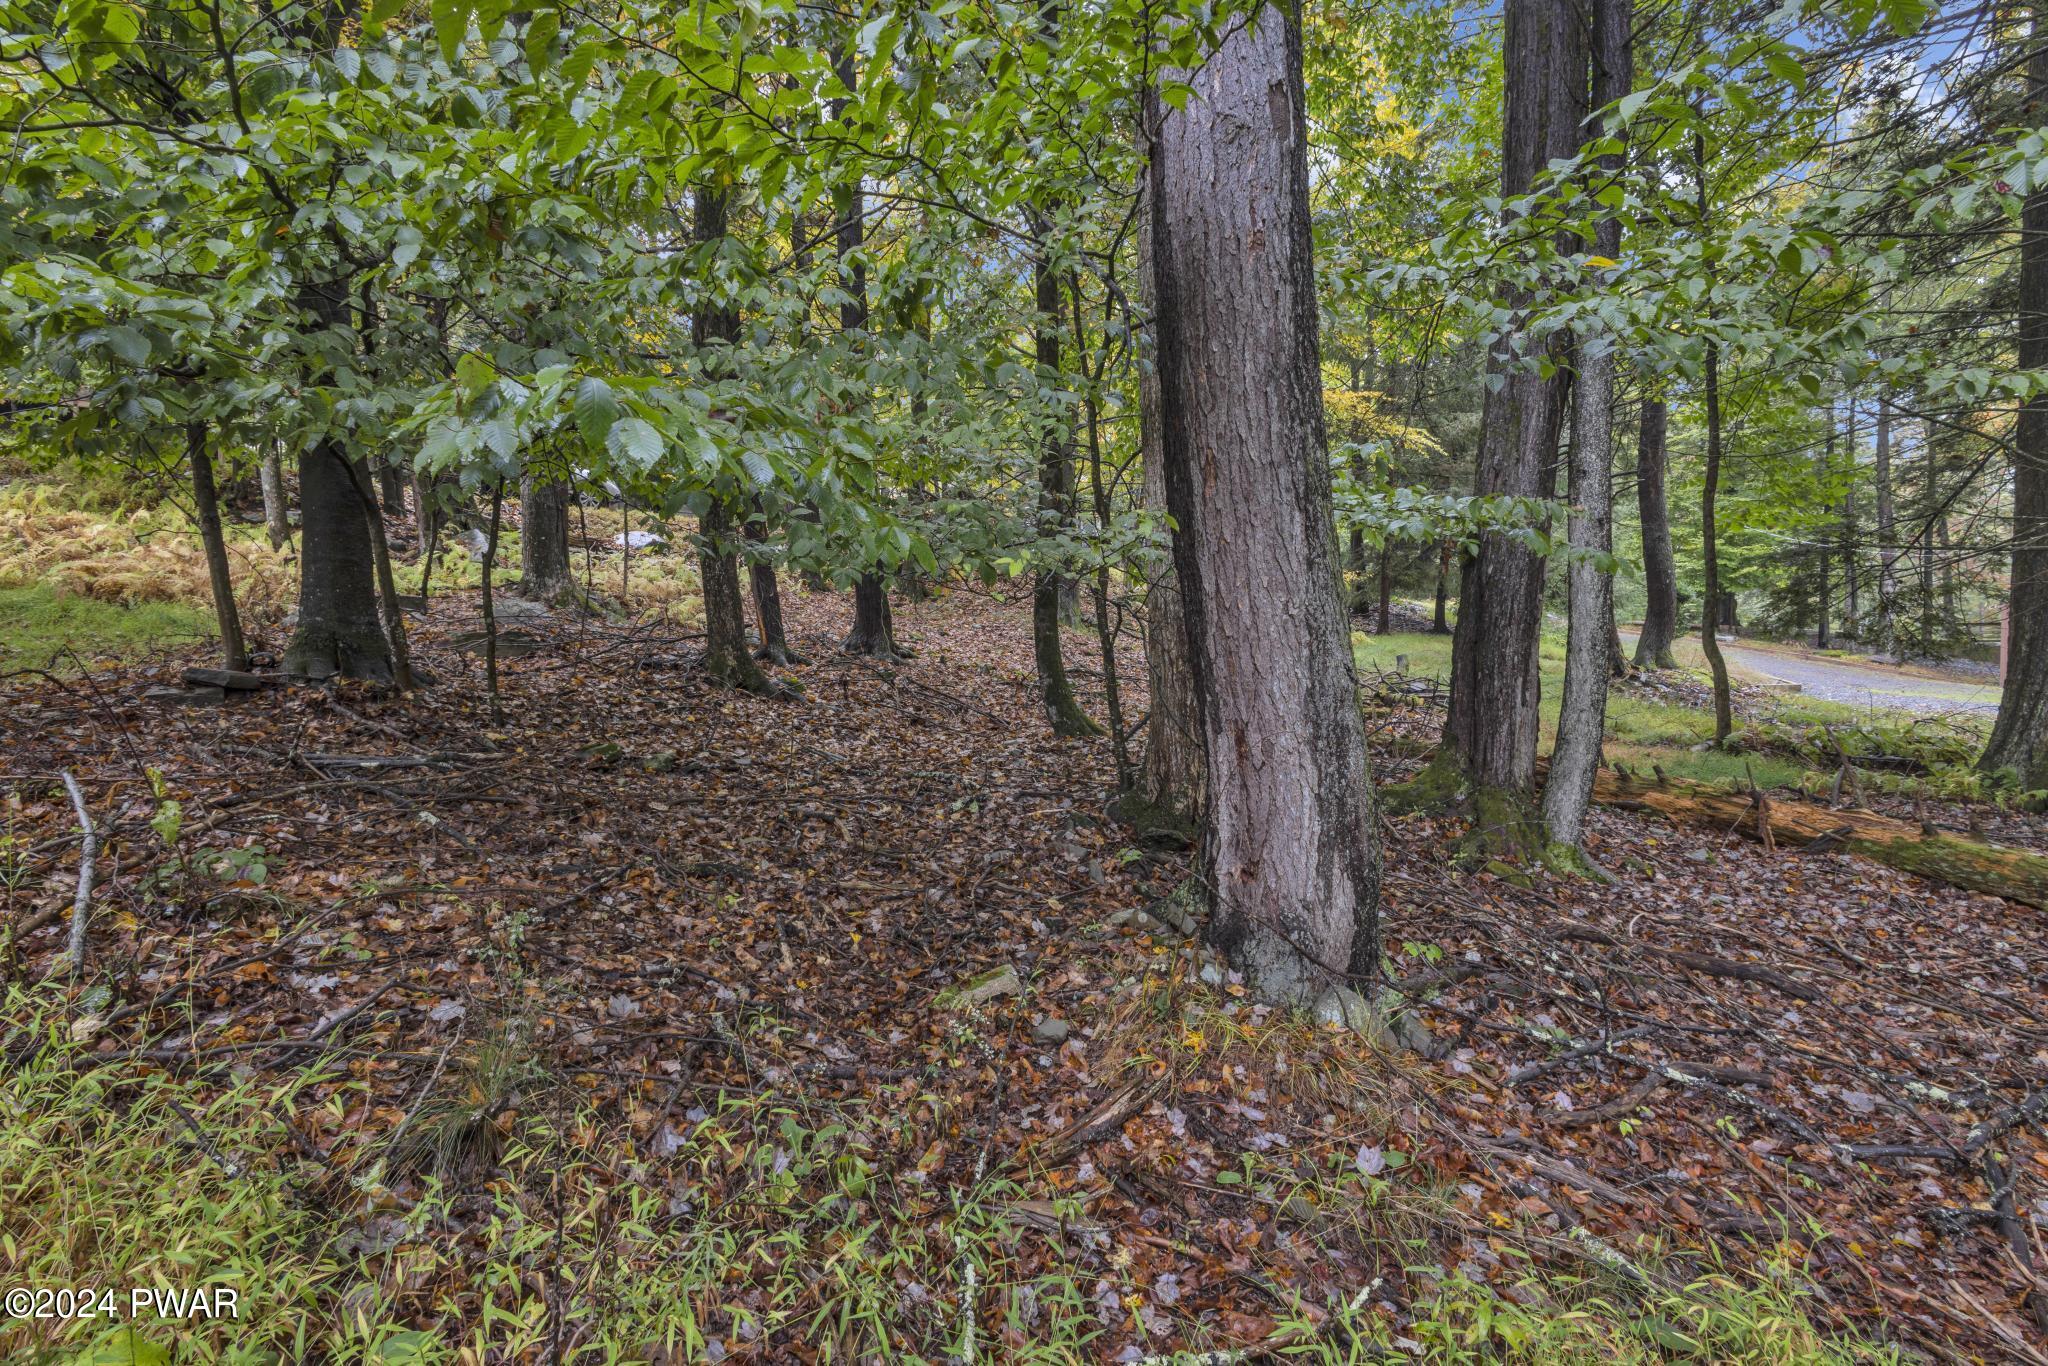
[[75, 951]]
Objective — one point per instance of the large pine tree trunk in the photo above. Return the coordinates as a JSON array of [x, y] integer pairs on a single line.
[[1489, 749], [1660, 567], [1589, 646], [714, 331], [206, 502], [544, 573], [1290, 851], [2019, 738]]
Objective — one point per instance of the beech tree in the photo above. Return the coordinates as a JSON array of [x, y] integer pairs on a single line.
[[1290, 853]]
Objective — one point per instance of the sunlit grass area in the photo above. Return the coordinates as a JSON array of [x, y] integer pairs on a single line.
[[39, 625], [1643, 730]]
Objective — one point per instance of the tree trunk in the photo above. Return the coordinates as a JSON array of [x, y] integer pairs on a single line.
[[1440, 624], [1852, 578], [727, 656], [338, 632], [1660, 567], [1385, 622], [544, 573], [387, 586], [1826, 594], [234, 654], [1590, 644], [767, 597], [490, 599], [1582, 712], [2019, 738], [714, 331], [1710, 553], [1887, 517], [390, 488], [1290, 851], [874, 627], [1055, 502], [874, 631], [277, 521], [1171, 776], [1489, 749]]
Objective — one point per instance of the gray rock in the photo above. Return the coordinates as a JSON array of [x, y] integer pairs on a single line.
[[1388, 1026], [1051, 1030], [236, 680], [1003, 981], [186, 697], [517, 609]]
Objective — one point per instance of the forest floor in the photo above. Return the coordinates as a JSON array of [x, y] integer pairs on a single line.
[[852, 988]]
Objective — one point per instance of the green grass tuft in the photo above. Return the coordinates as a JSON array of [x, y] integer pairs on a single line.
[[38, 623]]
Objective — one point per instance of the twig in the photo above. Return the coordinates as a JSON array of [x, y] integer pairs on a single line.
[[82, 903]]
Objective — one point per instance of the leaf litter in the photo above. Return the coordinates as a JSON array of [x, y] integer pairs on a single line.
[[660, 896]]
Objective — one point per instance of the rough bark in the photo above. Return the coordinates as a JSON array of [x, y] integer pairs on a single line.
[[1582, 712], [1710, 552], [338, 634], [277, 520], [1589, 643], [2019, 738], [387, 586], [544, 572], [206, 503], [714, 331], [1660, 567], [774, 645], [1489, 749], [727, 656], [1172, 773], [1290, 852], [874, 626]]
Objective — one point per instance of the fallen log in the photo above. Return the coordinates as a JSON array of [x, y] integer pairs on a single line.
[[1971, 865]]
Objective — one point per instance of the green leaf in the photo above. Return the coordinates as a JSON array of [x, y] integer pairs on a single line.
[[451, 25], [635, 442], [127, 343], [596, 411]]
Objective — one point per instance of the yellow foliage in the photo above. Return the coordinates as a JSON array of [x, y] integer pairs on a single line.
[[149, 555], [1366, 415]]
